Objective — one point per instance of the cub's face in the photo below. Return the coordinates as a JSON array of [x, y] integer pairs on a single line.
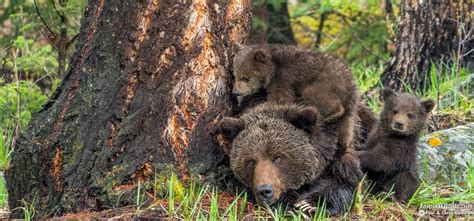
[[272, 156], [252, 70], [404, 114]]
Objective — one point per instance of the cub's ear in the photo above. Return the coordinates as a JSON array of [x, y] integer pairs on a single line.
[[260, 56], [238, 47], [304, 118], [428, 105], [386, 93], [231, 126]]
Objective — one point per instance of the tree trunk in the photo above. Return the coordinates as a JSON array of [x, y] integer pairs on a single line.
[[279, 22], [278, 27], [147, 82], [430, 32]]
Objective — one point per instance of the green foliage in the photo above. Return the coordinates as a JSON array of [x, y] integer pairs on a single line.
[[367, 76], [35, 61], [359, 31], [53, 10], [28, 58], [19, 101], [276, 4], [26, 47]]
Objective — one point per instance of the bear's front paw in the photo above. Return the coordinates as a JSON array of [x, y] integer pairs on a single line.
[[305, 207]]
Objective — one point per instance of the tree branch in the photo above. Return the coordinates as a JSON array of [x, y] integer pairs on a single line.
[[43, 21]]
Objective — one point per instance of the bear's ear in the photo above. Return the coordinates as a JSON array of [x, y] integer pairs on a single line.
[[386, 93], [428, 105], [238, 47], [260, 56], [231, 126], [304, 118]]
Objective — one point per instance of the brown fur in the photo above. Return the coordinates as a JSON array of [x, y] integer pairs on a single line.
[[390, 154], [288, 148], [366, 123], [292, 75]]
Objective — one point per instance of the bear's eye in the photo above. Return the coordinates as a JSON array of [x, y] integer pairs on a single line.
[[245, 79], [251, 163], [410, 115], [277, 159], [395, 111]]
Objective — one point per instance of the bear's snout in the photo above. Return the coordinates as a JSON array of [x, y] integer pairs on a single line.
[[241, 91], [399, 123], [400, 126], [236, 93], [266, 182], [265, 192]]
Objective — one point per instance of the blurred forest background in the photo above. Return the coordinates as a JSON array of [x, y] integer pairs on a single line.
[[37, 39]]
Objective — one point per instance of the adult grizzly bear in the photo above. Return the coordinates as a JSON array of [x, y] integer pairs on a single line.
[[389, 157], [285, 154], [292, 75]]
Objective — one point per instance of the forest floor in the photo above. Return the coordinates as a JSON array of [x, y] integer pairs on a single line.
[[193, 201]]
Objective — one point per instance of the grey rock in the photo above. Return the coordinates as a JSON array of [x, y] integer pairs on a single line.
[[445, 155]]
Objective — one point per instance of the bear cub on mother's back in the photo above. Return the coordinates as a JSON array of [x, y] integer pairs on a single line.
[[390, 155], [292, 75]]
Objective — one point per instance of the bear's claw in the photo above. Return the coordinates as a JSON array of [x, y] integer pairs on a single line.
[[305, 207]]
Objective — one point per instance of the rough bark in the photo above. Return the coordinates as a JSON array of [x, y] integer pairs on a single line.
[[430, 32], [277, 19], [147, 82]]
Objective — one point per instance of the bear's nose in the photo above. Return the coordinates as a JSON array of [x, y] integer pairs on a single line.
[[265, 192], [236, 93], [398, 126]]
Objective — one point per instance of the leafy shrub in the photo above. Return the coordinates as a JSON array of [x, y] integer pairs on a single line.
[[19, 101]]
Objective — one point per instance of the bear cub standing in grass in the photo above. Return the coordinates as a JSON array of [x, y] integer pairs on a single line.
[[292, 75], [390, 155]]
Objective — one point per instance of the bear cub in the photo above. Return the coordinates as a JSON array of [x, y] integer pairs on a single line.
[[390, 155], [291, 75]]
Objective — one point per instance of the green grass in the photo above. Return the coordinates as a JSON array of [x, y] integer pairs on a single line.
[[6, 138], [367, 77], [3, 192], [191, 201], [444, 83]]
